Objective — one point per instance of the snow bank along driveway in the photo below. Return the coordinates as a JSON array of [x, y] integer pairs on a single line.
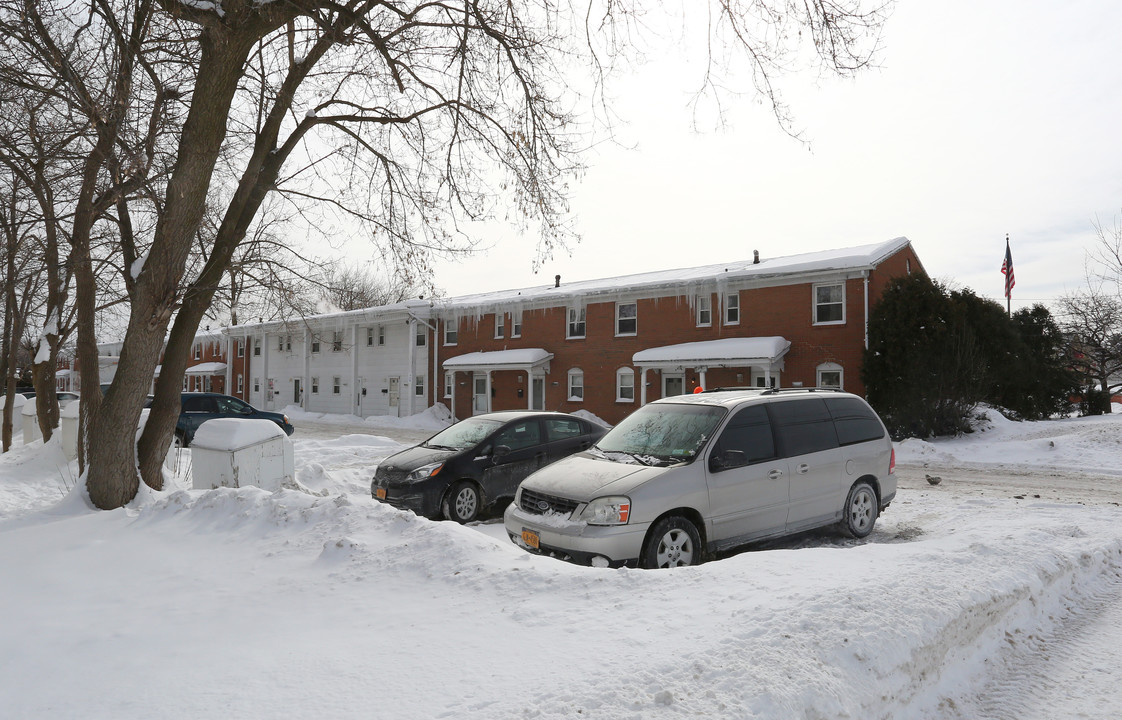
[[245, 604]]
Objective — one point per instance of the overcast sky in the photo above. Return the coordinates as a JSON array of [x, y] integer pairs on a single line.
[[984, 118]]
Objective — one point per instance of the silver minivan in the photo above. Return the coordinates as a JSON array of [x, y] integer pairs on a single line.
[[688, 476]]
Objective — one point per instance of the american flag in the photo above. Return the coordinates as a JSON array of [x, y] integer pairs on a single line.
[[1007, 270]]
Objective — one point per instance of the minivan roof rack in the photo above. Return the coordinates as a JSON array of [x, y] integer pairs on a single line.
[[776, 391]]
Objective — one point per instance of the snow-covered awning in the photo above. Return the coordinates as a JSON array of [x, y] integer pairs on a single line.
[[729, 352], [523, 359], [62, 373], [207, 368]]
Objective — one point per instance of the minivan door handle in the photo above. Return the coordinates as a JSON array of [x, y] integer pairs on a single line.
[[802, 469], [775, 474]]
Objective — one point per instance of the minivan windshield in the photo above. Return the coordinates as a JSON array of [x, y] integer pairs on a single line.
[[656, 434], [464, 434]]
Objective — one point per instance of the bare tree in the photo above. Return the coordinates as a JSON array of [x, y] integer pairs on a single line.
[[1092, 319], [404, 118]]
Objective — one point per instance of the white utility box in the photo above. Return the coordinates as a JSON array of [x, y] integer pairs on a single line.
[[31, 431], [68, 429], [235, 452]]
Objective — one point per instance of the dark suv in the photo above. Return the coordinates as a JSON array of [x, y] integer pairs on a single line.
[[196, 408]]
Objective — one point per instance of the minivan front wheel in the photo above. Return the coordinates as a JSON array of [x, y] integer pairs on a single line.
[[672, 542], [860, 510], [462, 502]]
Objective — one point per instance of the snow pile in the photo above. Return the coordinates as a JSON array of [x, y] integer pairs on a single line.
[[249, 604]]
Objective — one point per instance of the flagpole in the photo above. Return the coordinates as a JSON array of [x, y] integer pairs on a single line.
[[1009, 290]]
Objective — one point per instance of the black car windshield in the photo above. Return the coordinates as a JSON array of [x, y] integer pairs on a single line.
[[464, 434], [667, 432]]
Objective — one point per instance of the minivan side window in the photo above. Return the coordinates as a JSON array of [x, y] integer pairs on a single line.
[[854, 420], [750, 432], [803, 426]]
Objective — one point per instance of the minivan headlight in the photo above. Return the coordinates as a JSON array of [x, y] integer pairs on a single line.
[[425, 471], [614, 510]]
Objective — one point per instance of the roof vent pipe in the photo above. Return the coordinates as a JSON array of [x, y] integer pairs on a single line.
[[556, 281], [755, 257]]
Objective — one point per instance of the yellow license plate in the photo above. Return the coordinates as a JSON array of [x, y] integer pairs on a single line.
[[380, 493], [531, 538]]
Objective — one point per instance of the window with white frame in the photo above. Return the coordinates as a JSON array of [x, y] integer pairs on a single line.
[[625, 385], [516, 324], [626, 318], [576, 323], [451, 332], [287, 343], [732, 309], [576, 385], [829, 303], [315, 343], [419, 386], [198, 351], [829, 375], [336, 385], [381, 335], [422, 333], [241, 384], [448, 384], [256, 385], [369, 337], [315, 386], [280, 343], [256, 346], [500, 325], [704, 310], [337, 341], [241, 348], [186, 387]]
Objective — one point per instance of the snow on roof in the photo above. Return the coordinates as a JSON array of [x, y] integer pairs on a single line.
[[405, 308], [497, 359], [842, 259], [230, 434], [714, 352], [207, 368]]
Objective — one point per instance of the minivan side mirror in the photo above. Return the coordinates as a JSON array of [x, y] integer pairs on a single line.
[[727, 460]]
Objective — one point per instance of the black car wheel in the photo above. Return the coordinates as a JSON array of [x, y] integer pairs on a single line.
[[673, 542], [461, 503]]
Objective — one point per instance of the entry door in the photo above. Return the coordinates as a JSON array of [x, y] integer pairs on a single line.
[[537, 390], [394, 394], [296, 390], [480, 399], [673, 385]]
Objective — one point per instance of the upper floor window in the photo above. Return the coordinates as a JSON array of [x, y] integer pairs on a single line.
[[625, 385], [829, 303], [198, 351], [576, 384], [256, 346], [516, 324], [337, 341], [369, 337], [704, 310], [576, 323], [732, 309], [626, 318], [451, 332], [421, 334], [500, 323], [241, 348], [287, 343], [381, 334], [315, 343]]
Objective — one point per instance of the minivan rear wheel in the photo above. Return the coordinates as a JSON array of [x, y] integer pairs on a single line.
[[672, 542], [860, 512]]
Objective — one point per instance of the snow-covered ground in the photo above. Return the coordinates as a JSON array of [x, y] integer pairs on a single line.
[[995, 594]]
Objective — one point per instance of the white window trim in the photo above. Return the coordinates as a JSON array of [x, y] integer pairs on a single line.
[[369, 337], [500, 325], [729, 307], [448, 381], [704, 305], [829, 367], [241, 384], [583, 321], [625, 372], [337, 385], [241, 348], [634, 332], [451, 332], [315, 385], [337, 341], [381, 335], [419, 385], [516, 324], [316, 343], [814, 303], [573, 373]]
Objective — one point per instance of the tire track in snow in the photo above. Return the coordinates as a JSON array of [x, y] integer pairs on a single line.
[[1068, 670]]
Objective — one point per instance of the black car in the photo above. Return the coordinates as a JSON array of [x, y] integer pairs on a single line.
[[478, 462], [198, 407]]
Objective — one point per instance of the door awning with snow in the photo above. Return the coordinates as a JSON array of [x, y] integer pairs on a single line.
[[207, 368], [527, 359], [726, 353]]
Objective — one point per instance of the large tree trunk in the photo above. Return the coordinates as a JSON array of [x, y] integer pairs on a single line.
[[113, 479]]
